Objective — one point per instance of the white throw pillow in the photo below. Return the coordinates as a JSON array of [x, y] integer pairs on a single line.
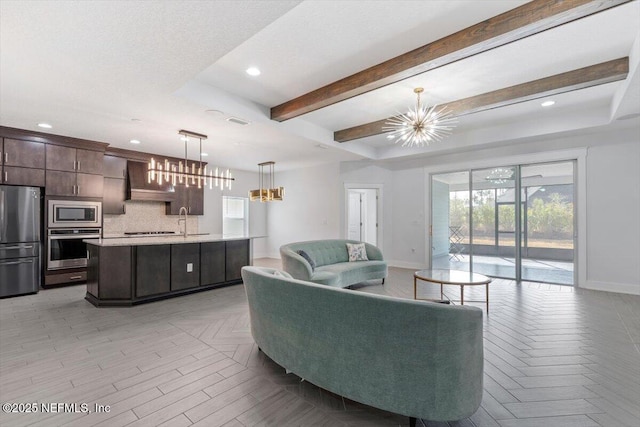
[[357, 252]]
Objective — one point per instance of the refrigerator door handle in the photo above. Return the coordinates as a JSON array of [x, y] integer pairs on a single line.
[[19, 247], [22, 261]]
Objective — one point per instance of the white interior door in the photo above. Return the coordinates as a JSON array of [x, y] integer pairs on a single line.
[[354, 216], [369, 215]]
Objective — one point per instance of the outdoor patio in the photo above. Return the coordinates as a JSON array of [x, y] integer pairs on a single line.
[[557, 272]]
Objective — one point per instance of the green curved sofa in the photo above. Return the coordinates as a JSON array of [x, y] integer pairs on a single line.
[[414, 358], [332, 263]]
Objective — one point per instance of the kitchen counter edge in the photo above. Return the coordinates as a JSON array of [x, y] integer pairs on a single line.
[[165, 240]]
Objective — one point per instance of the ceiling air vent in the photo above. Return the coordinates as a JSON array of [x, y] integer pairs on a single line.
[[237, 121]]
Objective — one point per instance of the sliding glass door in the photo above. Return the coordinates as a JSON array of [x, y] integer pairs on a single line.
[[548, 222], [510, 221], [493, 221]]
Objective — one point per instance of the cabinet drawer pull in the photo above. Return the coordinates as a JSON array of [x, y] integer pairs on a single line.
[[6, 176], [19, 247], [6, 156], [78, 164], [75, 277], [78, 190]]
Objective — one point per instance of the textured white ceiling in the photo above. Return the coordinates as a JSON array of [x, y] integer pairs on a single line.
[[89, 67]]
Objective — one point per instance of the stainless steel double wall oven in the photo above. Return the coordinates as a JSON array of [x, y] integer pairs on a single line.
[[69, 222]]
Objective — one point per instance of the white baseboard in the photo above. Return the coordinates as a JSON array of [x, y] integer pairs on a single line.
[[274, 255], [405, 264], [622, 288], [261, 255]]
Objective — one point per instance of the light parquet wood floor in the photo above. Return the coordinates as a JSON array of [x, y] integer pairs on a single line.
[[554, 356]]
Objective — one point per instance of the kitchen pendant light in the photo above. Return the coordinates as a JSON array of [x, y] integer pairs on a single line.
[[183, 174], [267, 192]]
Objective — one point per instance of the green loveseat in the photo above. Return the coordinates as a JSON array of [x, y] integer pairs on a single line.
[[332, 266], [414, 358]]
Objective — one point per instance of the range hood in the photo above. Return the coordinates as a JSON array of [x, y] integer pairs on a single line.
[[139, 187]]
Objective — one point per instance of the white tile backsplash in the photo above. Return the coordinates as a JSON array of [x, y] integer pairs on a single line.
[[145, 216]]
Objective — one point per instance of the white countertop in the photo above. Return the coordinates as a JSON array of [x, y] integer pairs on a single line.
[[173, 239]]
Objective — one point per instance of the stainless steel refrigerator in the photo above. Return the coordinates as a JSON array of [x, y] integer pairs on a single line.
[[20, 264]]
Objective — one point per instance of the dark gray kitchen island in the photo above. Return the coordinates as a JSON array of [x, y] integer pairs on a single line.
[[129, 271]]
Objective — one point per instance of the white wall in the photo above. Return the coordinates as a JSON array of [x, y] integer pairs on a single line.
[[211, 221], [310, 209], [613, 217], [408, 227]]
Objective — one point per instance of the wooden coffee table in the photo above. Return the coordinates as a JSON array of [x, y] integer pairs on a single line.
[[451, 277]]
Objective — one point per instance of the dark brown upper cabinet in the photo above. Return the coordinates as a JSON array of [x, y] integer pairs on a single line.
[[24, 154], [191, 198], [115, 167], [74, 172], [60, 183], [114, 196], [70, 159], [22, 162], [115, 185]]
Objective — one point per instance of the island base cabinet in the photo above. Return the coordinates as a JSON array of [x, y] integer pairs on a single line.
[[112, 266], [185, 266], [212, 263], [237, 256], [153, 270], [130, 274]]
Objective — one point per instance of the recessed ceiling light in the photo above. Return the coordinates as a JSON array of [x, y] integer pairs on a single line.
[[548, 103], [253, 71], [134, 141], [45, 125], [136, 120], [204, 154], [322, 146], [213, 111], [390, 136]]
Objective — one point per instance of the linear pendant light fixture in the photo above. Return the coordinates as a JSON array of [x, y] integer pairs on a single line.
[[267, 192], [421, 125], [181, 173]]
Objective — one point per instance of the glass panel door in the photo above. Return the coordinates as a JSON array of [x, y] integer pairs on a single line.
[[548, 223], [493, 230], [514, 222]]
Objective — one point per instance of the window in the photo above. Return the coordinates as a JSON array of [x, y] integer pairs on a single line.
[[235, 216]]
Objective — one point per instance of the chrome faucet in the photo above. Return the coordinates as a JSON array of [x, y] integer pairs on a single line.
[[180, 219]]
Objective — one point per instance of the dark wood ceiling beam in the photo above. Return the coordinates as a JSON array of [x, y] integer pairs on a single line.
[[582, 78], [523, 21]]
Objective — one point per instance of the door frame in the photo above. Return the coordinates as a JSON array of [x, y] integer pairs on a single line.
[[580, 202], [379, 210]]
